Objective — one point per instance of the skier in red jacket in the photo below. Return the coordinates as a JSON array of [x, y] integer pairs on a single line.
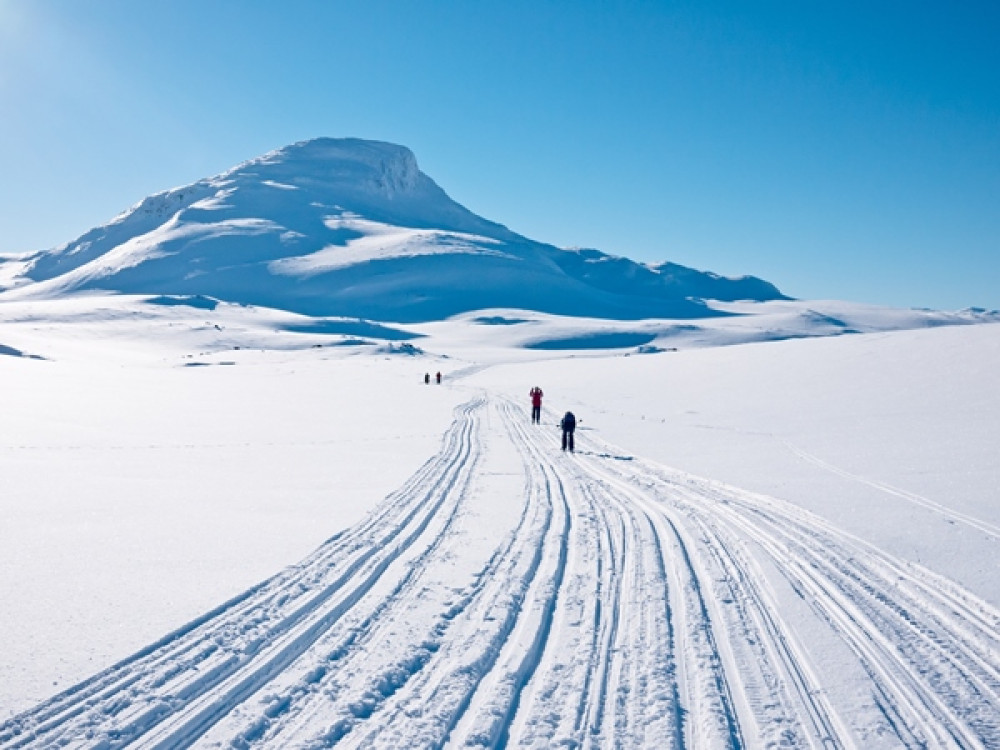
[[536, 404]]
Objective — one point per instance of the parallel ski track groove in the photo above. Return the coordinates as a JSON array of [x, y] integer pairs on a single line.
[[338, 645], [473, 596], [758, 619], [471, 660], [54, 719], [899, 637], [702, 680], [617, 561], [382, 554], [611, 564], [487, 721], [444, 717], [924, 643], [626, 601]]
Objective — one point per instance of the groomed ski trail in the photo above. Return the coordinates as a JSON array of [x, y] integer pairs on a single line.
[[510, 594]]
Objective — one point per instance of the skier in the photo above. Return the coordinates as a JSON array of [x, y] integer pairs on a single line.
[[568, 425], [427, 378], [536, 404], [439, 378]]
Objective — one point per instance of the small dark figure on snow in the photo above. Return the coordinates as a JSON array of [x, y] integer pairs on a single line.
[[536, 404], [427, 378], [439, 378], [568, 426]]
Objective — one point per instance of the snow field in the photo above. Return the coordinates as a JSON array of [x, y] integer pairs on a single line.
[[135, 497], [501, 592]]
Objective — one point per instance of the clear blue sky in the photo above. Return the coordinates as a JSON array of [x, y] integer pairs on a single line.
[[844, 150]]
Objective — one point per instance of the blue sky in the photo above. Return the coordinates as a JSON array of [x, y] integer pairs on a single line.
[[845, 150]]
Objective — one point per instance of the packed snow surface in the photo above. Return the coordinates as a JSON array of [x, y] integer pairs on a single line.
[[227, 526]]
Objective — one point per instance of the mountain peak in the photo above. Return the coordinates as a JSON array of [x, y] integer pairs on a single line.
[[378, 180], [384, 169]]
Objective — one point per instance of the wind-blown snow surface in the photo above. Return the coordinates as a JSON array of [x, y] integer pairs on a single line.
[[225, 527]]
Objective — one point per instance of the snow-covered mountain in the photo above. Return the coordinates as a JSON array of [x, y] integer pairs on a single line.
[[347, 227]]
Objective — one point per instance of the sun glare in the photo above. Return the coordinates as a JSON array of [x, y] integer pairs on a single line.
[[14, 37]]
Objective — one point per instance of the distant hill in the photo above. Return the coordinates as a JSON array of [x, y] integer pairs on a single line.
[[347, 227]]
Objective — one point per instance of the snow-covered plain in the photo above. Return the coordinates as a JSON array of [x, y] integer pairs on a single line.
[[231, 526]]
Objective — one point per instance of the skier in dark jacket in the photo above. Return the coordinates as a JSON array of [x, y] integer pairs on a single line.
[[568, 426]]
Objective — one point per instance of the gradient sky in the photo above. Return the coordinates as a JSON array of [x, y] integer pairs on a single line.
[[841, 150]]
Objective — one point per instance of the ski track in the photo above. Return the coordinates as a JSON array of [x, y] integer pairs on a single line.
[[616, 603], [952, 516]]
